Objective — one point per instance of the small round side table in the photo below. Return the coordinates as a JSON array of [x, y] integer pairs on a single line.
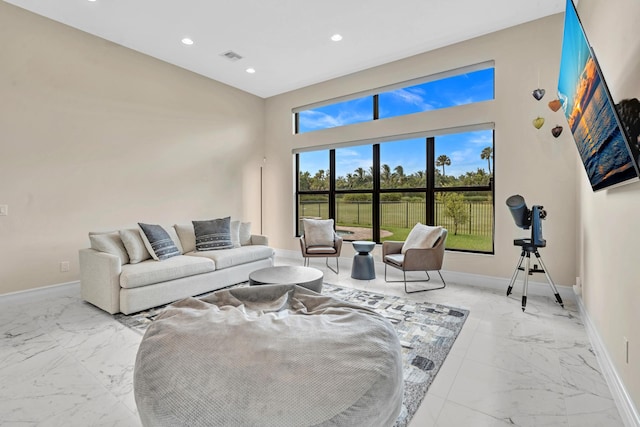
[[363, 267]]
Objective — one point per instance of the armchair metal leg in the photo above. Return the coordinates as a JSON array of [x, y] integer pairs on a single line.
[[405, 281], [337, 270], [307, 263]]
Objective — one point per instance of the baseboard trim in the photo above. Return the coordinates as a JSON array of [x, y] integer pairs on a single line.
[[34, 291], [490, 282], [626, 407], [501, 284]]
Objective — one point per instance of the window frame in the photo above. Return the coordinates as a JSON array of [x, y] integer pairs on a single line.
[[374, 93], [429, 191]]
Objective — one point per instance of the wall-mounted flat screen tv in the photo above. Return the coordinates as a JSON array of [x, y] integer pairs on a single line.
[[601, 139]]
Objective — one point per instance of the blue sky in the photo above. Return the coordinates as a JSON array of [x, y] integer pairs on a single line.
[[462, 148], [449, 92]]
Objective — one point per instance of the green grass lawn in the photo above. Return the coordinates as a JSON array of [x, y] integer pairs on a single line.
[[399, 218], [461, 241]]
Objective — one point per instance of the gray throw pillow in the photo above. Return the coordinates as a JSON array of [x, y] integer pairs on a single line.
[[213, 234], [159, 242]]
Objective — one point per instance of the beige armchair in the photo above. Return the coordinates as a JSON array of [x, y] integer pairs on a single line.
[[320, 241], [426, 260]]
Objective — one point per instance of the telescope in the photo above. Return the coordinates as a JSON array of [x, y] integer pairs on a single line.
[[526, 218]]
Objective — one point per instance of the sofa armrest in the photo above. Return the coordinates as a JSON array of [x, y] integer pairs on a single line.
[[257, 239], [100, 279]]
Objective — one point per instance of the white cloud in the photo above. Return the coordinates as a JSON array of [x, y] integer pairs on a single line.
[[312, 119], [413, 96]]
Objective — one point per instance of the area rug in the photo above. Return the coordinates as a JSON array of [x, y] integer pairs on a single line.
[[426, 331]]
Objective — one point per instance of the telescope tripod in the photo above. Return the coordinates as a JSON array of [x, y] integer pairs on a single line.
[[527, 249]]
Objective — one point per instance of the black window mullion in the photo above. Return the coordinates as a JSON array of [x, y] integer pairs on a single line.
[[332, 186], [296, 123], [375, 199], [376, 114], [297, 191], [431, 178]]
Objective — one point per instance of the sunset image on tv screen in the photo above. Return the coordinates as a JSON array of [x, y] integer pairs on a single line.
[[590, 111]]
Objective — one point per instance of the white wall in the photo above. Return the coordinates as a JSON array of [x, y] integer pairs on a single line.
[[94, 136], [527, 161], [607, 244]]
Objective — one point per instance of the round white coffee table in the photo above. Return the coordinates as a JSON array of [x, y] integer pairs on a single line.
[[307, 277]]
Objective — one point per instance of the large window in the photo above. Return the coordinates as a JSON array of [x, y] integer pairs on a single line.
[[473, 84], [380, 191]]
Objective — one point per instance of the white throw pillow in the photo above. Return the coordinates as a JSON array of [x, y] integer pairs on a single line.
[[110, 243], [235, 233], [135, 246], [421, 237], [187, 237], [318, 232], [245, 233]]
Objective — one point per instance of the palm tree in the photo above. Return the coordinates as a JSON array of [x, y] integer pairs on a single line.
[[398, 171], [385, 175], [487, 154], [443, 160], [360, 174]]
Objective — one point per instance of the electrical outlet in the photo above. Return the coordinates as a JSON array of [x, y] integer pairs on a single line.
[[4, 210], [626, 350], [64, 266]]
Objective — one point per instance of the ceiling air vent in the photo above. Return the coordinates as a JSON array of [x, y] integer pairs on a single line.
[[231, 56]]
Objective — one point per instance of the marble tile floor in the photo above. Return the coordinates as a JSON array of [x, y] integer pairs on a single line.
[[65, 363]]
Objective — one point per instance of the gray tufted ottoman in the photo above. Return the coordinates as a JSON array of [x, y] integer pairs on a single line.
[[272, 355]]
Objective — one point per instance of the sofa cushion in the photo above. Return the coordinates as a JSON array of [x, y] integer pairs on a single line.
[[187, 237], [421, 237], [158, 242], [150, 272], [135, 245], [235, 256], [110, 243], [213, 234], [315, 250]]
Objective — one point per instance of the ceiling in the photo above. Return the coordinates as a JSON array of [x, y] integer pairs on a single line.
[[287, 42]]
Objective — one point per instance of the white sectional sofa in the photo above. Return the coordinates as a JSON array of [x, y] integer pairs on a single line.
[[117, 275]]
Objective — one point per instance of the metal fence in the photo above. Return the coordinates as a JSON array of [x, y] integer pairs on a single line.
[[403, 214]]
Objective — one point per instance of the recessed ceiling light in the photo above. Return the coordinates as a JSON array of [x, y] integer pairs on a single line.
[[250, 70], [187, 41], [336, 37], [92, 0]]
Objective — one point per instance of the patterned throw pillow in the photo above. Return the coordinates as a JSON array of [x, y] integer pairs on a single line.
[[158, 242], [213, 234]]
